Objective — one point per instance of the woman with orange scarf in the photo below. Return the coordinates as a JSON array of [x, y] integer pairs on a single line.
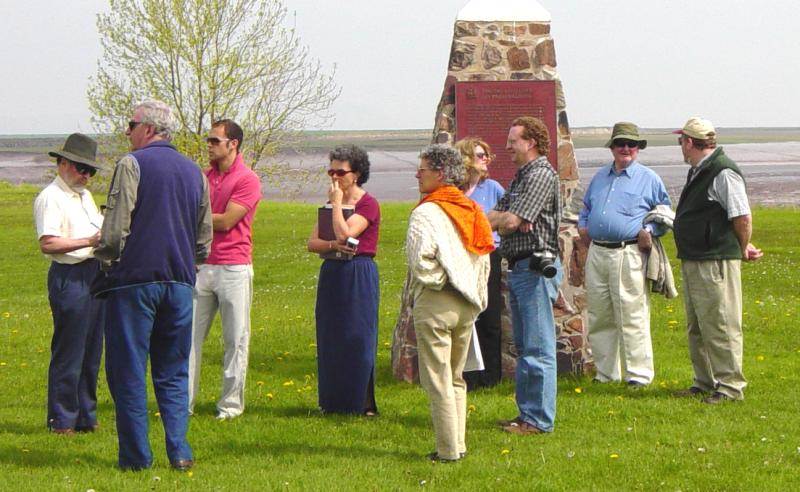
[[448, 244]]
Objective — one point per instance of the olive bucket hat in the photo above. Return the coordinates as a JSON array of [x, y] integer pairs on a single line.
[[78, 148], [627, 131]]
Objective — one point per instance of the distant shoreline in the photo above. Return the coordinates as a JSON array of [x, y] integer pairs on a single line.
[[415, 139]]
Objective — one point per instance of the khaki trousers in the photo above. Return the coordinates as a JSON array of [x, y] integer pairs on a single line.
[[619, 314], [713, 302], [443, 322]]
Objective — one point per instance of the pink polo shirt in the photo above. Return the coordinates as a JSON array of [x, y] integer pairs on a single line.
[[241, 186]]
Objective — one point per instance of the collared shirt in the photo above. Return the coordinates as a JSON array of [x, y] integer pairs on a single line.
[[239, 184], [727, 189], [534, 196], [616, 203], [61, 211]]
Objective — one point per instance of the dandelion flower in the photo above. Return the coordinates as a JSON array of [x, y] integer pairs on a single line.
[[289, 383], [260, 383], [579, 390], [504, 452], [270, 396], [759, 358], [613, 456], [6, 314]]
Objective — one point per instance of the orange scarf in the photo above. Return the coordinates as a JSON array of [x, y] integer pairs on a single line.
[[470, 221]]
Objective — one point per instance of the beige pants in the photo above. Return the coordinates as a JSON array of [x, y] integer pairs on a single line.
[[443, 322], [619, 314], [713, 302]]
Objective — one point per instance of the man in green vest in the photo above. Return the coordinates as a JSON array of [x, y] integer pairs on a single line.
[[712, 230]]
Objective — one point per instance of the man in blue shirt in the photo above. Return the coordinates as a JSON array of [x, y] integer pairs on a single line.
[[157, 228], [614, 206]]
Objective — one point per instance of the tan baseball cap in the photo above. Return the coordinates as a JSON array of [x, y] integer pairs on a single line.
[[698, 128]]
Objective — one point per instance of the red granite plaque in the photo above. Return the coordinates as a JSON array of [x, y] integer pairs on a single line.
[[486, 110]]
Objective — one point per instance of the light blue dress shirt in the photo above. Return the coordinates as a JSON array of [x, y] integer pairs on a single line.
[[486, 194], [616, 203]]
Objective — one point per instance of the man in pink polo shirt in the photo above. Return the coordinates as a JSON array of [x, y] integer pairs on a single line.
[[225, 281]]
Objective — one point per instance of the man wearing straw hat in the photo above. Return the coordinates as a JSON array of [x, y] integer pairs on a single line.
[[68, 227], [619, 197]]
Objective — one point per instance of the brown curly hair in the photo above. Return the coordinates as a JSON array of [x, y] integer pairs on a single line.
[[534, 129]]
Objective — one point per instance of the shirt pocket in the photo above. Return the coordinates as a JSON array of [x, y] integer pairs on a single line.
[[630, 204]]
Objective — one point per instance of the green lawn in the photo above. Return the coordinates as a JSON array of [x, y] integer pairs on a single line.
[[606, 438]]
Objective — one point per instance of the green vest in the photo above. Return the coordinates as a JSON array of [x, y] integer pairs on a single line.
[[701, 228]]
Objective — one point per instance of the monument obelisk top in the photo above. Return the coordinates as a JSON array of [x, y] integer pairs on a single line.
[[504, 11]]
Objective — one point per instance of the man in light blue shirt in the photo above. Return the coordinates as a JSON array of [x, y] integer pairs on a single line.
[[614, 207]]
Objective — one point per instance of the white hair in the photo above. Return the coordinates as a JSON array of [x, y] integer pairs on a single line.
[[158, 114]]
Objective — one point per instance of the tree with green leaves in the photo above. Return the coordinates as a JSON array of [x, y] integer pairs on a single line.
[[210, 59]]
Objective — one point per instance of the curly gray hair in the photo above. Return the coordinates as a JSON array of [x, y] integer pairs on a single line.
[[448, 160], [158, 114]]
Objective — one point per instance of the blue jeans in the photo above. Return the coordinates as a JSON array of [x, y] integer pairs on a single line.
[[150, 319], [76, 347], [532, 297]]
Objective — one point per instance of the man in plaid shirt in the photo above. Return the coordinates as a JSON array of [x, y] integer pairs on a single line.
[[527, 219]]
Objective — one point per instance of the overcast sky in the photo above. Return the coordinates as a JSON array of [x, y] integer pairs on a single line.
[[654, 63]]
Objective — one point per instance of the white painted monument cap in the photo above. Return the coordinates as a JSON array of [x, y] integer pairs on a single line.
[[504, 11]]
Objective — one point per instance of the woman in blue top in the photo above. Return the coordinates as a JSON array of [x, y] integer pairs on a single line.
[[485, 192]]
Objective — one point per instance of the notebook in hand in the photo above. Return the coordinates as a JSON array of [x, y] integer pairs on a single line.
[[325, 229]]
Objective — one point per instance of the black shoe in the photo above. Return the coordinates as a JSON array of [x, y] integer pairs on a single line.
[[636, 385], [691, 392], [182, 465], [438, 459], [717, 398]]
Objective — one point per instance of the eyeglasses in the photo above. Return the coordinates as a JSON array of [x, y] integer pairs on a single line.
[[631, 144], [338, 172], [84, 169], [482, 155], [216, 140], [133, 124]]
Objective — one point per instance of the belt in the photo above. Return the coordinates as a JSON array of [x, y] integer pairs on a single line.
[[617, 245], [514, 260]]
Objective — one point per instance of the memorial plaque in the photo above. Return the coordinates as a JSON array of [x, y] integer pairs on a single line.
[[486, 110]]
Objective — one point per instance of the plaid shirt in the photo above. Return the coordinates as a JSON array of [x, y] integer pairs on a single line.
[[534, 195]]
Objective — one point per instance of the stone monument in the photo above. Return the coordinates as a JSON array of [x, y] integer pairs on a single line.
[[503, 65]]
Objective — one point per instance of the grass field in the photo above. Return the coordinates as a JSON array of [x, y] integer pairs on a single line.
[[606, 438]]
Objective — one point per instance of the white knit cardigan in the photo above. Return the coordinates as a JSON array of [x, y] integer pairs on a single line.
[[437, 256]]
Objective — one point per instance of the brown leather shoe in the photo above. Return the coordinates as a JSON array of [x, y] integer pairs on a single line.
[[505, 423], [64, 432], [182, 465], [691, 392], [522, 429]]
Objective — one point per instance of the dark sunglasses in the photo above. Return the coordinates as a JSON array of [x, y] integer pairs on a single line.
[[84, 169], [216, 140], [631, 144], [338, 172], [133, 124]]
